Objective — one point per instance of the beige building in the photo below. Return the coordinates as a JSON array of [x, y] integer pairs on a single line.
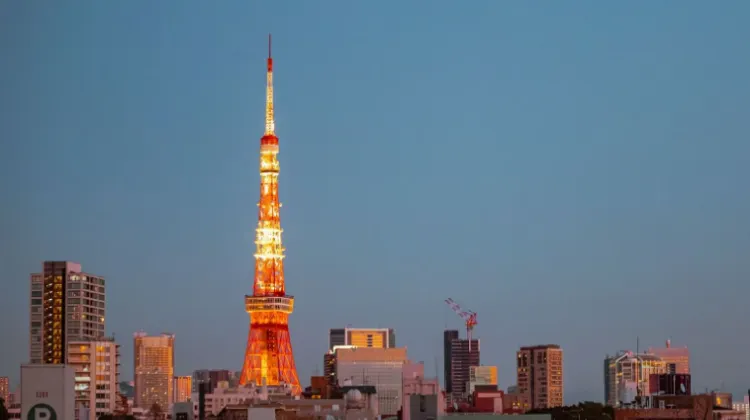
[[481, 375], [676, 359], [540, 376], [380, 367], [182, 388], [153, 370], [66, 305], [96, 364]]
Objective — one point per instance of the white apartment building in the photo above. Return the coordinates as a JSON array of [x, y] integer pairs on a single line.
[[66, 305], [97, 371]]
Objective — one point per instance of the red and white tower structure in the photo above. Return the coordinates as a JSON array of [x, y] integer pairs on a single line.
[[269, 348]]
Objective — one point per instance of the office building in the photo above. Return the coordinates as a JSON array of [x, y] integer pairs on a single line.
[[362, 337], [182, 388], [627, 374], [460, 355], [96, 364], [482, 375], [153, 370], [676, 359], [66, 305], [379, 367], [540, 376]]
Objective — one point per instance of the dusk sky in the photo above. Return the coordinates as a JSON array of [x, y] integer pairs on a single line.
[[575, 172]]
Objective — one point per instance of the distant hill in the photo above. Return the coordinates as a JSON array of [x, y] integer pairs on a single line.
[[127, 390]]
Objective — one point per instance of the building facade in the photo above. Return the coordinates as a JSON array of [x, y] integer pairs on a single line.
[[378, 367], [676, 359], [153, 370], [422, 397], [182, 388], [482, 375], [460, 356], [540, 376], [362, 337], [96, 365], [66, 305], [628, 373], [47, 392]]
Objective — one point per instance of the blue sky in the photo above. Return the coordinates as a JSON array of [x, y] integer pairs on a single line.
[[574, 172]]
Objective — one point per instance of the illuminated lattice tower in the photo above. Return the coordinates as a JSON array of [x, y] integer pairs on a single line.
[[269, 348]]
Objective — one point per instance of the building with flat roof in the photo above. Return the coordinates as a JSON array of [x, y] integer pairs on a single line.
[[47, 391], [540, 376], [97, 374], [459, 356], [676, 359], [66, 305], [381, 367], [153, 370], [362, 337]]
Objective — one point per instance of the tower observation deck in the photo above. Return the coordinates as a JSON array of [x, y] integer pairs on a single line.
[[269, 348]]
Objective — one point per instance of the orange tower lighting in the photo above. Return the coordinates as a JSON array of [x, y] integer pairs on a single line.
[[269, 348]]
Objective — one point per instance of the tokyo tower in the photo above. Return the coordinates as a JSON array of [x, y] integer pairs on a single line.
[[269, 348]]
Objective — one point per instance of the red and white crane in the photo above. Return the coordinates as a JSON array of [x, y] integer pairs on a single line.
[[469, 317]]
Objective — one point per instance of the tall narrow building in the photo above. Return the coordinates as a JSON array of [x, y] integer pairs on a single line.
[[66, 305], [153, 370], [461, 355], [540, 376], [269, 356]]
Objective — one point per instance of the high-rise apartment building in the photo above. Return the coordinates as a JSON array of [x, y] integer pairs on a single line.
[[182, 388], [153, 370], [5, 389], [66, 305], [676, 359], [362, 337], [627, 374], [97, 370], [380, 367], [539, 376], [460, 355]]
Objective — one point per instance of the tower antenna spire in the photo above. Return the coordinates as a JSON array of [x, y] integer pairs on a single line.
[[270, 124]]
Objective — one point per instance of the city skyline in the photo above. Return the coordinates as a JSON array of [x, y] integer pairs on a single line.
[[600, 171]]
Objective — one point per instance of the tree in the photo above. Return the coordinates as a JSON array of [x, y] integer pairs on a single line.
[[155, 412], [4, 415]]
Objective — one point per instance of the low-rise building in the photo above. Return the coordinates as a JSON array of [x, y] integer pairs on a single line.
[[47, 391]]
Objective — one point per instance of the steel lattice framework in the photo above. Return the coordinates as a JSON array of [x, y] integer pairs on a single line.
[[269, 348]]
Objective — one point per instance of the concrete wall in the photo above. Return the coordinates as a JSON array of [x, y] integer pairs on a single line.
[[47, 392]]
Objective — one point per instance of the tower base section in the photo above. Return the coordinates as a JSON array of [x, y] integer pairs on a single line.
[[269, 350]]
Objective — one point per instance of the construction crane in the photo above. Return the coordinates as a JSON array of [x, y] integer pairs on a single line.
[[469, 317]]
